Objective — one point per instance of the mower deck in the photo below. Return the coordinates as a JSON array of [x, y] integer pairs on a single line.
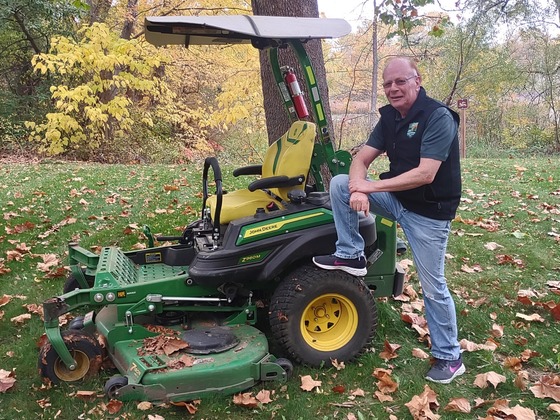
[[215, 359]]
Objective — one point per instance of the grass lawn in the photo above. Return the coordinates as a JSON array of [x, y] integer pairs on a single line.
[[503, 269]]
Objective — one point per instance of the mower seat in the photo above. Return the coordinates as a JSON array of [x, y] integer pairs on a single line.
[[285, 168]]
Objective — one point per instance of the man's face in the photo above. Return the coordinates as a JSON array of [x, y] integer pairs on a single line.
[[401, 84]]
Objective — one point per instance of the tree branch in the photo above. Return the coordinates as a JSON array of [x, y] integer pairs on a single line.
[[19, 20]]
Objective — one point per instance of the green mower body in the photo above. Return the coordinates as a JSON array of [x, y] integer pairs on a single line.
[[178, 322]]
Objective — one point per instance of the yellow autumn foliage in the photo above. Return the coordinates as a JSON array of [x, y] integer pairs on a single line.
[[102, 84]]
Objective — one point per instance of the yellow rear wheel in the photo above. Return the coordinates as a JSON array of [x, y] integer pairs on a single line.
[[329, 322], [318, 315]]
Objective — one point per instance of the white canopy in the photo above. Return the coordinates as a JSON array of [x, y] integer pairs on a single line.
[[208, 30]]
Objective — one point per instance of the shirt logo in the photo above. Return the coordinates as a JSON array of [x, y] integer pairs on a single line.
[[412, 127]]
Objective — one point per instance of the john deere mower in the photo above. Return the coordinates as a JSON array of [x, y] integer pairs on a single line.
[[179, 321]]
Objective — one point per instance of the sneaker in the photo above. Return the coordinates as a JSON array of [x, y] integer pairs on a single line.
[[356, 266], [444, 371]]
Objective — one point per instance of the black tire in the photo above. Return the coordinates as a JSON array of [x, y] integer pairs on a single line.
[[317, 315], [86, 351], [113, 385], [72, 283]]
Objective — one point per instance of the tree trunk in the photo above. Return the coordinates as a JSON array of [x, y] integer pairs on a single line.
[[373, 117], [130, 19], [20, 21], [277, 120], [98, 10]]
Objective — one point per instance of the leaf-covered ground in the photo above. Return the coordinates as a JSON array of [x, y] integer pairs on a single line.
[[503, 269]]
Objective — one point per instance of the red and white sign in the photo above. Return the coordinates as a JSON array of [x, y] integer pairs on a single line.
[[462, 104]]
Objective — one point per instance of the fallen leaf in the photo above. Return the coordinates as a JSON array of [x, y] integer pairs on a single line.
[[86, 395], [474, 269], [386, 384], [245, 400], [114, 406], [339, 389], [423, 406], [263, 396], [497, 331], [513, 363], [507, 259], [163, 344], [44, 403], [20, 319], [554, 407], [49, 260], [14, 255], [521, 379], [5, 299], [383, 397], [460, 405], [547, 386], [308, 383], [389, 351], [469, 346], [191, 406], [3, 268], [144, 405], [338, 365], [7, 380], [533, 317], [358, 392], [494, 378], [527, 354], [419, 353], [501, 409]]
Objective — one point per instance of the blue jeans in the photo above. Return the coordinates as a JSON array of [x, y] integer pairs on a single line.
[[428, 241]]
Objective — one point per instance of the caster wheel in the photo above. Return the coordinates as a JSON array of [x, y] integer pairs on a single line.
[[77, 323], [287, 366], [85, 350], [113, 385]]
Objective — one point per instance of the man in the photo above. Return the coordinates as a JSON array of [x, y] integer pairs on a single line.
[[421, 191]]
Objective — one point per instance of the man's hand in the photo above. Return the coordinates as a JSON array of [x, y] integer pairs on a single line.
[[359, 202], [359, 185]]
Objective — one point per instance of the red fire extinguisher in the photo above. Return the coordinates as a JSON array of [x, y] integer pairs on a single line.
[[295, 92]]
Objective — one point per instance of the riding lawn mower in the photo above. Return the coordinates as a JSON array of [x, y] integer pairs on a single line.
[[178, 321]]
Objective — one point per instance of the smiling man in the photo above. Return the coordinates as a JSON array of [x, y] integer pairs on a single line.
[[421, 191]]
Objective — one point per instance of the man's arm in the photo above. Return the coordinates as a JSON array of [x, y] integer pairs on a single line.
[[359, 200], [362, 160], [423, 174]]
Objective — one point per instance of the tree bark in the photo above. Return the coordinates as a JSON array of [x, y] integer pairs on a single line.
[[20, 21], [277, 120], [130, 19], [373, 117], [98, 10]]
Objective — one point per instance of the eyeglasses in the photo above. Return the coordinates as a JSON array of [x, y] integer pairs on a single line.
[[398, 82]]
